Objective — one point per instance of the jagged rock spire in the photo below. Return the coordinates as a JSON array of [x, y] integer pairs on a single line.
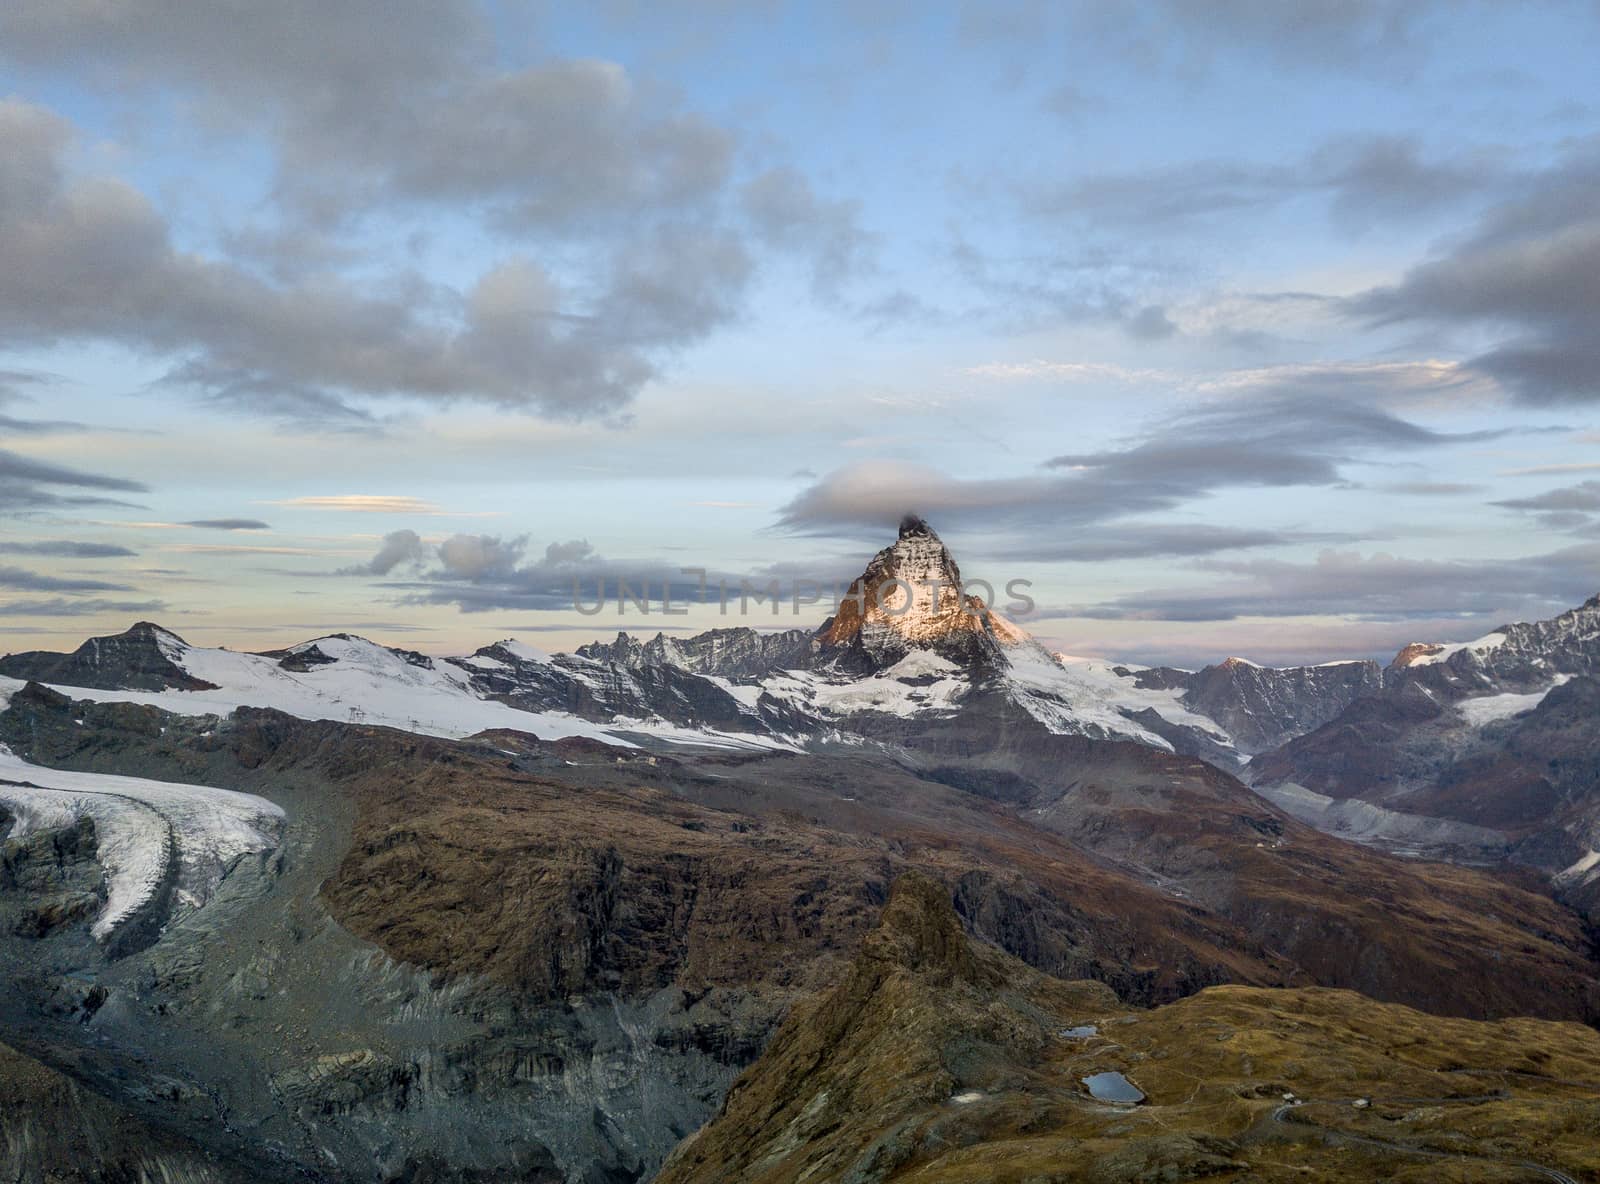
[[910, 597]]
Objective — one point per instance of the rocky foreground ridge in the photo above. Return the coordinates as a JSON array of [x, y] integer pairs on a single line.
[[940, 1059]]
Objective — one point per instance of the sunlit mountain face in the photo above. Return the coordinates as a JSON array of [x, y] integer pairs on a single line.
[[868, 593]]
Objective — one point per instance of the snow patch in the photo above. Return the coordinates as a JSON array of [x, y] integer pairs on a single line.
[[1487, 709], [1080, 695], [1482, 645], [1580, 873], [524, 652]]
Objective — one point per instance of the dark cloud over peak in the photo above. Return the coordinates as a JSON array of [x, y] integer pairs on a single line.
[[1272, 441]]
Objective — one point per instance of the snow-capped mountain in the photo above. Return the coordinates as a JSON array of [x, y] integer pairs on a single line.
[[1523, 657], [910, 598], [905, 644], [1260, 707], [1489, 745]]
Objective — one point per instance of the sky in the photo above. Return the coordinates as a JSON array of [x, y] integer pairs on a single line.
[[1231, 327]]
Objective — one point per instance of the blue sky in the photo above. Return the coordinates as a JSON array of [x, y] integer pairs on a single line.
[[1235, 327]]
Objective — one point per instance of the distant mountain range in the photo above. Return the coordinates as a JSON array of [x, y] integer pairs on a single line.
[[1445, 751], [361, 913]]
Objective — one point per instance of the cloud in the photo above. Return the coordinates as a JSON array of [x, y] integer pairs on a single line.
[[375, 102], [1150, 323], [67, 549], [1430, 488], [1375, 587], [400, 548], [227, 524], [1281, 440], [1583, 496], [236, 549], [478, 557], [27, 484], [1572, 508], [1420, 381], [1530, 268], [59, 607], [564, 144], [362, 503], [1364, 180], [1550, 470], [788, 214], [1068, 372], [1364, 35], [1148, 540], [481, 573], [10, 383], [29, 581], [1274, 441], [92, 260]]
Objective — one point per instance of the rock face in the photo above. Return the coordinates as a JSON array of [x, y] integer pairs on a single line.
[[940, 1059], [48, 879], [140, 659], [53, 1131], [1261, 707], [911, 597], [647, 683], [922, 1016], [740, 654]]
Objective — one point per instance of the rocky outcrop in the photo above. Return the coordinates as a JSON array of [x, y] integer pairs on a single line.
[[922, 1016], [49, 879]]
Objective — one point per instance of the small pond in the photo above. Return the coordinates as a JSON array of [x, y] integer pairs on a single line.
[[1113, 1087]]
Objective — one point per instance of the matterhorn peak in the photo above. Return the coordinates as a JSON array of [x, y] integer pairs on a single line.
[[911, 596]]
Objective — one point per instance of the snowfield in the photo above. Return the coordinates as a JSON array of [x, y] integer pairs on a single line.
[[146, 830], [369, 683], [920, 682], [1488, 709], [1065, 692]]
